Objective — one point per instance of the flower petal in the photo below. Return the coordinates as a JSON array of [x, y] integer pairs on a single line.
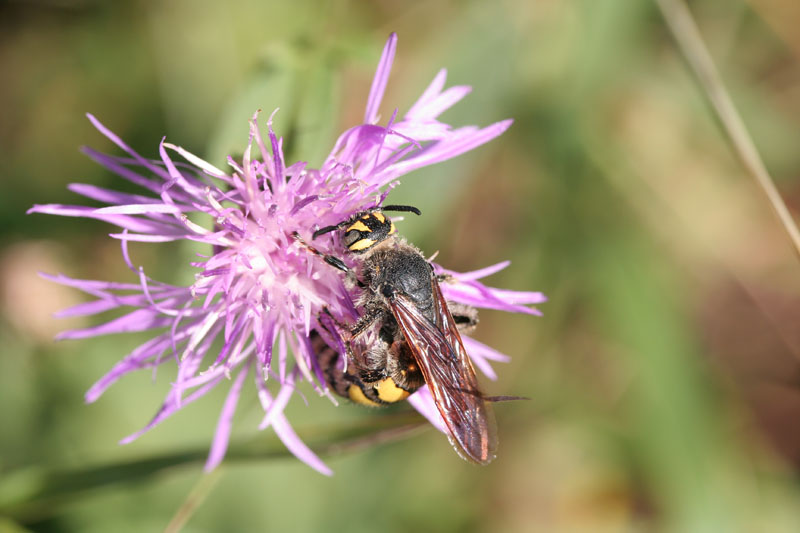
[[287, 435], [439, 104], [380, 80], [139, 320], [423, 402], [460, 141], [222, 435]]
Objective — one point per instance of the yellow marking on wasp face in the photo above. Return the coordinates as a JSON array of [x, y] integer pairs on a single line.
[[392, 229], [357, 395], [379, 216], [362, 244], [359, 226], [366, 217], [389, 392]]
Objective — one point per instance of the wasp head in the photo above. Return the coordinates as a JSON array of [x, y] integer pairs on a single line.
[[365, 230]]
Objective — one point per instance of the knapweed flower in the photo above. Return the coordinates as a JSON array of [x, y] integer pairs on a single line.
[[258, 295]]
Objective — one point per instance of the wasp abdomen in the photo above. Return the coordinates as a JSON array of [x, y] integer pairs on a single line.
[[369, 387]]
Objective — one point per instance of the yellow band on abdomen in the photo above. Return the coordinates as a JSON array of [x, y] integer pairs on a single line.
[[389, 392], [357, 395]]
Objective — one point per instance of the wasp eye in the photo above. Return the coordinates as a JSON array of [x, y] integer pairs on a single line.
[[350, 237]]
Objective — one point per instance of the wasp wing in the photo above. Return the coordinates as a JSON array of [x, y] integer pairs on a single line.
[[448, 372]]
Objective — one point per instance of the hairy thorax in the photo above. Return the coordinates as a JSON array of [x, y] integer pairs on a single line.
[[395, 267]]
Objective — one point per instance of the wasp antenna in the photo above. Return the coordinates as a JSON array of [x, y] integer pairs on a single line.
[[405, 208], [323, 231]]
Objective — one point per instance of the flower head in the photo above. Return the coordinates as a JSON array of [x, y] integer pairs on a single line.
[[258, 292]]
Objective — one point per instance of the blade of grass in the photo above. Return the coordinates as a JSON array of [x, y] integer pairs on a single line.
[[196, 497], [684, 29]]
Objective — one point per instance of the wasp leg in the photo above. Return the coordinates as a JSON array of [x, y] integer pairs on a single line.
[[339, 324], [332, 260], [371, 315], [465, 316]]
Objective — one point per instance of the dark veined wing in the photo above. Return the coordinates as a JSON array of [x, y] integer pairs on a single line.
[[448, 372]]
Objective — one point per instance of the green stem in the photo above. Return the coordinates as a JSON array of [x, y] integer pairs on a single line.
[[35, 493]]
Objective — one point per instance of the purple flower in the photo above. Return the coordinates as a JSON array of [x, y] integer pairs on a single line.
[[259, 292]]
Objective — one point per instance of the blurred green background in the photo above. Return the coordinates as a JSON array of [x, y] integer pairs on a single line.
[[663, 378]]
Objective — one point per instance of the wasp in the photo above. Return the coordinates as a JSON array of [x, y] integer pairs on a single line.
[[418, 337]]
